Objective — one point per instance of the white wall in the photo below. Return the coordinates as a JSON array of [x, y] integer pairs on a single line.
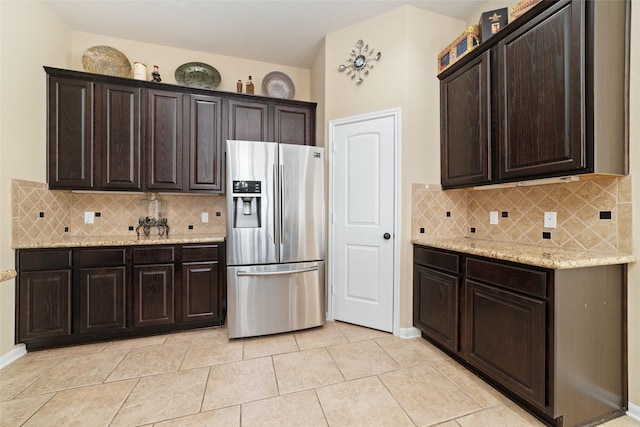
[[32, 35], [410, 40], [169, 58]]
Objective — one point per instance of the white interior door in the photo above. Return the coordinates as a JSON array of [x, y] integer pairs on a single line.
[[363, 221]]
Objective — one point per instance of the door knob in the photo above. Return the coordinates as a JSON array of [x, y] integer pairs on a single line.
[[386, 236]]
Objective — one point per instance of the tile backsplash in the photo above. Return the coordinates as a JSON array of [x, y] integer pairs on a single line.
[[43, 215], [592, 214]]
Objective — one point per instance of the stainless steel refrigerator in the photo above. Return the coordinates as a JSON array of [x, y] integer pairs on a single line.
[[275, 238]]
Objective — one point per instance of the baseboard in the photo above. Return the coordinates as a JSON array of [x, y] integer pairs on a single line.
[[409, 333], [634, 411], [15, 354]]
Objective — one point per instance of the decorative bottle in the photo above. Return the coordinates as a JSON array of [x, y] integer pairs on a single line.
[[250, 86], [156, 74], [239, 86]]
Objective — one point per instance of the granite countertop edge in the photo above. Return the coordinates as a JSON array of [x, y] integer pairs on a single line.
[[539, 256], [86, 242], [7, 275]]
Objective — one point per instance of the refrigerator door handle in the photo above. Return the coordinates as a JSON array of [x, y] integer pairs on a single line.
[[276, 202], [276, 273], [282, 196]]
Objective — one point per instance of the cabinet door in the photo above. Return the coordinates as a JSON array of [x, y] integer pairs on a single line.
[[540, 82], [294, 125], [153, 295], [102, 300], [248, 121], [465, 121], [205, 143], [70, 133], [44, 298], [505, 338], [164, 140], [200, 291], [118, 137], [435, 305]]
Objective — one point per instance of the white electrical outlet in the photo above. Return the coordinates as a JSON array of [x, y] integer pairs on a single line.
[[493, 217], [550, 220], [89, 217], [205, 216]]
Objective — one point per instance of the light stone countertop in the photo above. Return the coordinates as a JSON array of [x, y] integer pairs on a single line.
[[128, 240], [7, 275], [540, 256]]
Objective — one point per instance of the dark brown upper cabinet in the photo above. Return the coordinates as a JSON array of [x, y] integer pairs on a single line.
[[164, 140], [294, 124], [248, 120], [465, 125], [548, 114], [70, 133], [205, 143], [118, 137]]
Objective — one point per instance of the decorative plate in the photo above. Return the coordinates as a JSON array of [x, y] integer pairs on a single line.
[[198, 74], [278, 85], [106, 60]]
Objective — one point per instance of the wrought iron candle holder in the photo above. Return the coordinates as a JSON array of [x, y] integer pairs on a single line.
[[146, 223]]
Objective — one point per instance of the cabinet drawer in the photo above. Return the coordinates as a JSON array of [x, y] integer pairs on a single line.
[[200, 253], [437, 259], [102, 257], [45, 259], [525, 280], [152, 255]]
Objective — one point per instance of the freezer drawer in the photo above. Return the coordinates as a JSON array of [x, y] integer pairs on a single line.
[[269, 299]]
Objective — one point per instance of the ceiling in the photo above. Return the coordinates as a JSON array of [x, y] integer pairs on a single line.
[[280, 32]]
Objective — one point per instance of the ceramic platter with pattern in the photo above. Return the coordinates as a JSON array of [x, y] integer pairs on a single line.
[[106, 60], [198, 74], [278, 85]]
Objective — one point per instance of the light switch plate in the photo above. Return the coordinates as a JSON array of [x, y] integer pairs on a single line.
[[205, 216], [89, 217], [550, 220], [493, 217]]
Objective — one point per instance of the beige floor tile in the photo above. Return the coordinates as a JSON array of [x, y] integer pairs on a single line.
[[324, 336], [211, 351], [362, 402], [451, 423], [227, 417], [499, 416], [269, 345], [482, 393], [240, 382], [196, 334], [136, 342], [427, 396], [95, 405], [150, 360], [303, 370], [410, 352], [55, 353], [358, 333], [16, 377], [77, 371], [162, 397], [297, 409], [16, 412], [361, 359]]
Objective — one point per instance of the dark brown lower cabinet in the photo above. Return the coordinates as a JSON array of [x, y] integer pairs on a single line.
[[43, 294], [551, 340], [102, 289], [78, 295]]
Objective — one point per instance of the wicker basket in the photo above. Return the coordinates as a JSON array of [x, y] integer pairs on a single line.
[[464, 44]]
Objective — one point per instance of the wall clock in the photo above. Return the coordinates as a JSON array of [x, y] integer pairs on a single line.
[[360, 62]]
